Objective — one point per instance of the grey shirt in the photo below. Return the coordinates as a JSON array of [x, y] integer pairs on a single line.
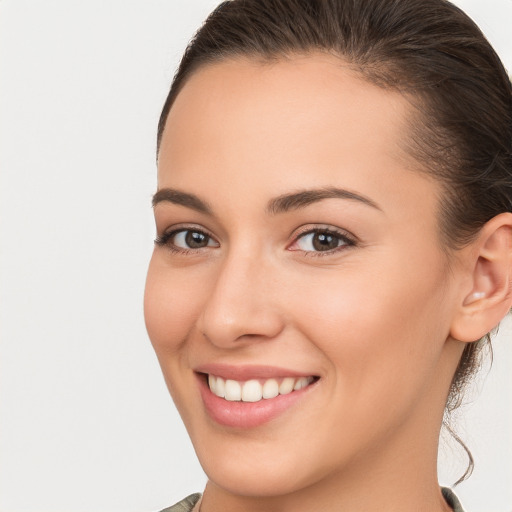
[[188, 504]]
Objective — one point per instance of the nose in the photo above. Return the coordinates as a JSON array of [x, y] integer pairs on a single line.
[[242, 306]]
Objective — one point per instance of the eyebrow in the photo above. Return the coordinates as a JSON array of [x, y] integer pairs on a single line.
[[280, 204], [181, 198], [304, 198]]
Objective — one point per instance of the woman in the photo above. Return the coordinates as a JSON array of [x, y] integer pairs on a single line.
[[333, 247]]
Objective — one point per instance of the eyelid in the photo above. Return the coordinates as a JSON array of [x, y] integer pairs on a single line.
[[164, 238], [342, 234]]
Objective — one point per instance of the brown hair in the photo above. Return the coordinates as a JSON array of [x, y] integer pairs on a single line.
[[427, 49]]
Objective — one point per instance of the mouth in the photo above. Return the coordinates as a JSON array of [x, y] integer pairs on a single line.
[[244, 399], [255, 390]]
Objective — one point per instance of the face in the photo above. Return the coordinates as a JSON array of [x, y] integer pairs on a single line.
[[296, 249]]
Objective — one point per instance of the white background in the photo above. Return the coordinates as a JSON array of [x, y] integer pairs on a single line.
[[85, 420]]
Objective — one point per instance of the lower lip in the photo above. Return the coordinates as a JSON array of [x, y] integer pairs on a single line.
[[247, 414]]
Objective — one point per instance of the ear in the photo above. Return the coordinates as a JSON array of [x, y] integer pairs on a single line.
[[487, 294]]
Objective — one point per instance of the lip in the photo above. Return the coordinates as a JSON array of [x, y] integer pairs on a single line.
[[246, 415], [248, 372]]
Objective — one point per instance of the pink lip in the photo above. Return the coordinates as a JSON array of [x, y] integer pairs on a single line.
[[247, 372], [245, 415]]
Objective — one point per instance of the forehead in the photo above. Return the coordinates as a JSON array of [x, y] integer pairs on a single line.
[[315, 98], [300, 122]]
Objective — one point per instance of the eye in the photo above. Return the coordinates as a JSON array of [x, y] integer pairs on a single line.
[[189, 239], [186, 239], [321, 240]]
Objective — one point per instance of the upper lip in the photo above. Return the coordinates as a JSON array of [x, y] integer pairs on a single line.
[[248, 372]]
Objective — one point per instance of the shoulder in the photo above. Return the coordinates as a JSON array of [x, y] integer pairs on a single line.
[[185, 505], [188, 504], [452, 499]]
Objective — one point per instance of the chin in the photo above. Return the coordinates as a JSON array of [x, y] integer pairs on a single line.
[[265, 465], [263, 478]]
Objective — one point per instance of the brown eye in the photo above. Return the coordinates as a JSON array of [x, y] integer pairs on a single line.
[[321, 241], [325, 242], [191, 239], [196, 239]]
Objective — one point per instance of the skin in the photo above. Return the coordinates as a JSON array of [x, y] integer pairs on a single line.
[[372, 319]]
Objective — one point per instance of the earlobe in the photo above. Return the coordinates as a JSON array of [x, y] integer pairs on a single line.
[[490, 292]]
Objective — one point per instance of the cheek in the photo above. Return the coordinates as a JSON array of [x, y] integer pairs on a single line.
[[171, 305], [381, 330]]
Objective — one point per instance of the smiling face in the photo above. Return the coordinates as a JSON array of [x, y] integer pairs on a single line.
[[297, 248]]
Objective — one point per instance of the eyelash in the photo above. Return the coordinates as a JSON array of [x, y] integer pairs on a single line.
[[165, 240], [348, 241]]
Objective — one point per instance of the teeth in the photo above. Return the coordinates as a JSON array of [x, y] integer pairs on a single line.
[[233, 391], [253, 390], [217, 386], [220, 388], [270, 389], [286, 386], [301, 383]]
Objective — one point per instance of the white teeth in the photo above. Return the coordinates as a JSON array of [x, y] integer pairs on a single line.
[[217, 385], [212, 381], [301, 383], [253, 390], [220, 386], [233, 390], [286, 386], [270, 388]]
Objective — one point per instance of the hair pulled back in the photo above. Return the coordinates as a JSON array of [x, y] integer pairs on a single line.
[[428, 50]]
